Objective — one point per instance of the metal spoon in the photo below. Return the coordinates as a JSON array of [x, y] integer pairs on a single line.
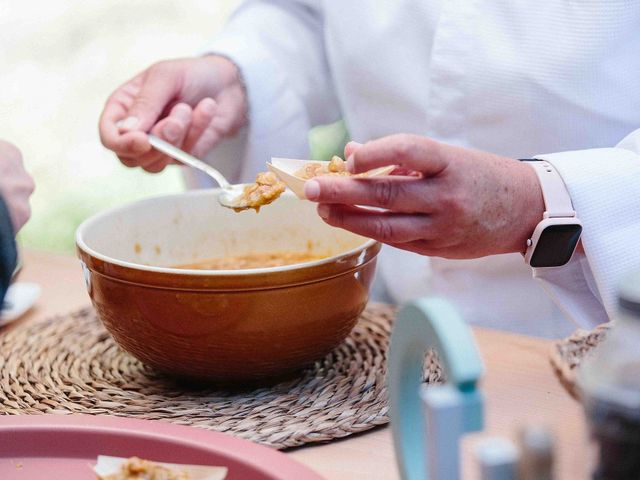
[[229, 195]]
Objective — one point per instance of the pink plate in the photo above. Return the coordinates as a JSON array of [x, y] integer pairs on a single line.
[[65, 447]]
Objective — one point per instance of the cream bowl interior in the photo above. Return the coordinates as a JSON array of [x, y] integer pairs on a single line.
[[161, 233]]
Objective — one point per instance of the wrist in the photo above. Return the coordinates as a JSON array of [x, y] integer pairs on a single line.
[[226, 70], [555, 238], [529, 209], [231, 78]]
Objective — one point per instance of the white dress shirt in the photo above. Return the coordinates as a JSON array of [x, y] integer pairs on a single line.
[[513, 77]]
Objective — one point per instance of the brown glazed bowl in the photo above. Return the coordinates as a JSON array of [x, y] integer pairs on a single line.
[[228, 326]]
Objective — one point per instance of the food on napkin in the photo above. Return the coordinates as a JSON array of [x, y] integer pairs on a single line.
[[265, 190], [134, 468]]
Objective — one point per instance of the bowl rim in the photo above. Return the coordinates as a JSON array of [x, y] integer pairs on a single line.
[[89, 222]]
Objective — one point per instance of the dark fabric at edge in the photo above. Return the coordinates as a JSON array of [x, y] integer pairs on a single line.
[[8, 250]]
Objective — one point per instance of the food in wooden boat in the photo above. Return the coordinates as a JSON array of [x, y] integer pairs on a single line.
[[336, 167]]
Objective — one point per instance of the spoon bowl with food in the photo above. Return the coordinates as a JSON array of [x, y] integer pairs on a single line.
[[239, 197]]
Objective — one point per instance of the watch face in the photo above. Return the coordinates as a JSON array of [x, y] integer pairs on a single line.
[[556, 245]]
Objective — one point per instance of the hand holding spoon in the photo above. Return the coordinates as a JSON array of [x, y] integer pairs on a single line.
[[230, 194]]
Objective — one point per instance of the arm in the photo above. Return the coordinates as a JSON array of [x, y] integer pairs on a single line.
[[16, 187], [468, 204], [604, 185], [278, 47]]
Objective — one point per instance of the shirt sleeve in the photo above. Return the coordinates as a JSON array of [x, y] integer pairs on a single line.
[[278, 46], [8, 251], [604, 185]]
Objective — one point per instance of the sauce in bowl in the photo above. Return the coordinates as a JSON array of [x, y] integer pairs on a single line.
[[252, 260]]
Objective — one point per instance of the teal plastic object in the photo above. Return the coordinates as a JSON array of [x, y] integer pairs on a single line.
[[427, 424]]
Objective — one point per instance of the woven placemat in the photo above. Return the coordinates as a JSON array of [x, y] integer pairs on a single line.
[[567, 355], [70, 364]]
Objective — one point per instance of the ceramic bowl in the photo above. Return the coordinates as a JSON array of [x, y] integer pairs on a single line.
[[223, 325]]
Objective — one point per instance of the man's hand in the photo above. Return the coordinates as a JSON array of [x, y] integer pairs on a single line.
[[191, 103], [448, 202], [16, 186]]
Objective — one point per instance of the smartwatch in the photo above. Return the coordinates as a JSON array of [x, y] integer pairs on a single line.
[[555, 238]]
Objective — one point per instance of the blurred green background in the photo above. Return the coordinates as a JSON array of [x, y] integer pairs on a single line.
[[60, 59]]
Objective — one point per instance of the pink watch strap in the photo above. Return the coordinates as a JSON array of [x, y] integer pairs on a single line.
[[556, 197]]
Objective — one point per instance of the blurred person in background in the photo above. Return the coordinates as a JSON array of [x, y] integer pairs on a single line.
[[456, 80], [16, 186]]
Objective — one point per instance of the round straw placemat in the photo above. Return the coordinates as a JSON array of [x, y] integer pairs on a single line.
[[70, 364], [567, 354]]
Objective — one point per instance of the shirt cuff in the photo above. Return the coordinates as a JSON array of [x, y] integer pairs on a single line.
[[604, 185], [266, 83], [571, 288], [278, 122]]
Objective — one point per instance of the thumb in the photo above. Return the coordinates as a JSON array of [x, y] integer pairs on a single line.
[[350, 148], [159, 87]]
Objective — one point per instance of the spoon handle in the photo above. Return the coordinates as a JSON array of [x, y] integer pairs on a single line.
[[184, 157]]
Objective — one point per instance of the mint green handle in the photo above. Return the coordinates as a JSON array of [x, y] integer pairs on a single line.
[[425, 324]]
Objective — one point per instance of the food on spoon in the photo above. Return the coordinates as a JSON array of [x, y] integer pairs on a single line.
[[253, 260], [265, 190], [134, 468]]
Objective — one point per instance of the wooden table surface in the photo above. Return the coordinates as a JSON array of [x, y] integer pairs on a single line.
[[519, 388]]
